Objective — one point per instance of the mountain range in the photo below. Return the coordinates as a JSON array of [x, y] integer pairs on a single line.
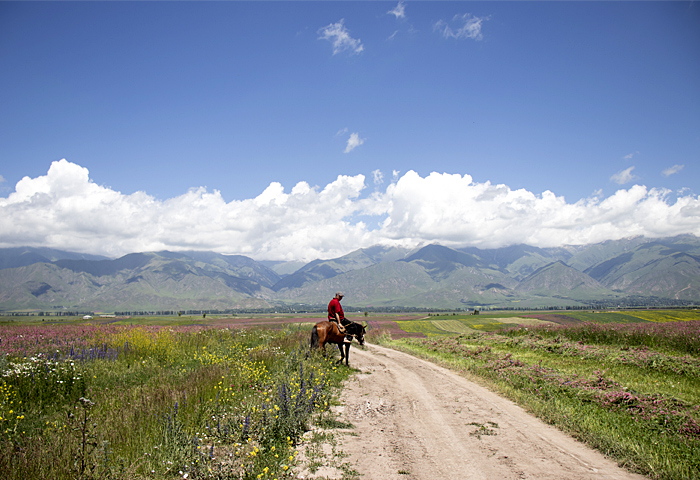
[[636, 270]]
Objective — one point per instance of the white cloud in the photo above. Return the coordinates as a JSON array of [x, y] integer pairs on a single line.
[[338, 35], [465, 26], [399, 11], [65, 209], [353, 142], [630, 155], [378, 177], [672, 170], [624, 176], [2, 179]]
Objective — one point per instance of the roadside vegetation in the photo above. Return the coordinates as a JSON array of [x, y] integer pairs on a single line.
[[185, 397], [81, 401], [631, 390]]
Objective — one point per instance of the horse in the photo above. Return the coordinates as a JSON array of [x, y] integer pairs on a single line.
[[327, 332]]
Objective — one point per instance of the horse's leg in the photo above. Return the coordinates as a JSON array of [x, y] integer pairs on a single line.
[[342, 354], [347, 354]]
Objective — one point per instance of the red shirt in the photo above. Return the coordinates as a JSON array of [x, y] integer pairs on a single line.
[[333, 308]]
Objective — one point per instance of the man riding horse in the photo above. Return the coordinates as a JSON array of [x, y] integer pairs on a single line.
[[336, 315], [338, 330]]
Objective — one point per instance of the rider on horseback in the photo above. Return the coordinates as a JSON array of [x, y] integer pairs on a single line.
[[336, 315]]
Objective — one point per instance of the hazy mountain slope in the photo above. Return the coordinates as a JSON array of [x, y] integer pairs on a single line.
[[439, 262], [411, 284], [667, 268], [560, 280], [519, 261], [43, 286], [282, 268], [676, 276], [23, 256], [138, 281], [386, 283], [233, 265], [322, 269], [673, 276], [590, 255], [100, 268], [165, 289], [432, 276], [467, 287]]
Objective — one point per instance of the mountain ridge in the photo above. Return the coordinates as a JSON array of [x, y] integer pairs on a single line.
[[433, 276]]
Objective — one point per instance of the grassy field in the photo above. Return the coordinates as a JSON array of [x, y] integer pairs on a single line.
[[630, 390], [449, 324], [88, 401], [223, 397], [624, 316]]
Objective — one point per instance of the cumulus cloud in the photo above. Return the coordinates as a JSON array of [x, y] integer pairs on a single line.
[[630, 155], [338, 35], [378, 177], [462, 26], [65, 209], [624, 176], [672, 170], [399, 11], [353, 142]]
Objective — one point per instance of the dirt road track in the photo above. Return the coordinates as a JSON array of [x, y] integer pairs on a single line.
[[417, 421]]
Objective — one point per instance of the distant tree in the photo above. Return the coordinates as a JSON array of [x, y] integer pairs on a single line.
[[366, 314]]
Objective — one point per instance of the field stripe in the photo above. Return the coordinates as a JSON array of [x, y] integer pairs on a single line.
[[452, 326]]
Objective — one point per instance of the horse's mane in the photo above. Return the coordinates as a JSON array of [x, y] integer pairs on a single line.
[[354, 325]]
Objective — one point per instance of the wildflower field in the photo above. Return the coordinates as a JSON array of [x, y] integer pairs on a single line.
[[631, 390], [127, 402]]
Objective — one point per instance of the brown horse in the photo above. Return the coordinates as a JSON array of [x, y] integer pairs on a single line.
[[327, 332]]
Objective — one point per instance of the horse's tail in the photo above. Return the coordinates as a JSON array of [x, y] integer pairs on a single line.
[[314, 338]]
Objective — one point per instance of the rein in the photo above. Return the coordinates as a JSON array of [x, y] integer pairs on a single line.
[[356, 335]]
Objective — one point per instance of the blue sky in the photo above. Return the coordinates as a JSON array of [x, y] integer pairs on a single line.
[[585, 100]]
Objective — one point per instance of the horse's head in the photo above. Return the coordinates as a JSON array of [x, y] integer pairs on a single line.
[[361, 334]]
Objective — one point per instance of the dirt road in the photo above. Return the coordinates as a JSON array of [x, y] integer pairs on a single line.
[[414, 420]]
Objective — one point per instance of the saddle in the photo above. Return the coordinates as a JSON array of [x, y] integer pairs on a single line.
[[341, 327]]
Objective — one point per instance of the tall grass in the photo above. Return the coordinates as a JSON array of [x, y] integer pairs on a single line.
[[156, 402], [681, 337], [607, 385]]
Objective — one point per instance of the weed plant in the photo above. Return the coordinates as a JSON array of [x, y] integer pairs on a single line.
[[632, 390], [134, 402]]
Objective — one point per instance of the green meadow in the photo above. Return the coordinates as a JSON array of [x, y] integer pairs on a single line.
[[221, 397], [157, 399]]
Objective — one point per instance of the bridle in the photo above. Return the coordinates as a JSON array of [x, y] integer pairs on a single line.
[[355, 335]]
